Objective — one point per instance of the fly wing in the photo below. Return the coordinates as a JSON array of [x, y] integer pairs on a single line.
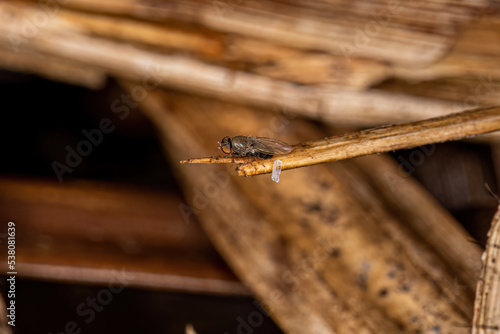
[[271, 146]]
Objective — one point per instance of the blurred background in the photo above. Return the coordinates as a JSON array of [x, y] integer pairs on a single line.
[[101, 101]]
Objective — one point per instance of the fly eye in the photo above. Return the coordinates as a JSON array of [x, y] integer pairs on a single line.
[[225, 145]]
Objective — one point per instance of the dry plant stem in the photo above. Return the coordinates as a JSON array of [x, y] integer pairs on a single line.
[[405, 197], [217, 160], [487, 305], [54, 68], [65, 38], [408, 36], [269, 234], [454, 89], [151, 219], [377, 140], [267, 59], [473, 54]]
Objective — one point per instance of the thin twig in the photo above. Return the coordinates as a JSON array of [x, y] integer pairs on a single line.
[[376, 140], [487, 304], [217, 160]]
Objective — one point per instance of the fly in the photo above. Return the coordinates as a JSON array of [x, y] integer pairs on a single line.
[[259, 147]]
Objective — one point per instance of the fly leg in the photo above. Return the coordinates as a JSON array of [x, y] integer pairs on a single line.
[[251, 153]]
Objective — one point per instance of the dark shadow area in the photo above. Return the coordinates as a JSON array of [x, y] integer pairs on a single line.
[[46, 307]]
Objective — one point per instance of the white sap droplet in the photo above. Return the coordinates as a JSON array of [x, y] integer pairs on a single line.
[[276, 171]]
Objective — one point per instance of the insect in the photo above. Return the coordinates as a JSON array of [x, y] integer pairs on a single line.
[[259, 147]]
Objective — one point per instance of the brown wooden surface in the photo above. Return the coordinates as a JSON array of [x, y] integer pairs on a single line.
[[90, 232]]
